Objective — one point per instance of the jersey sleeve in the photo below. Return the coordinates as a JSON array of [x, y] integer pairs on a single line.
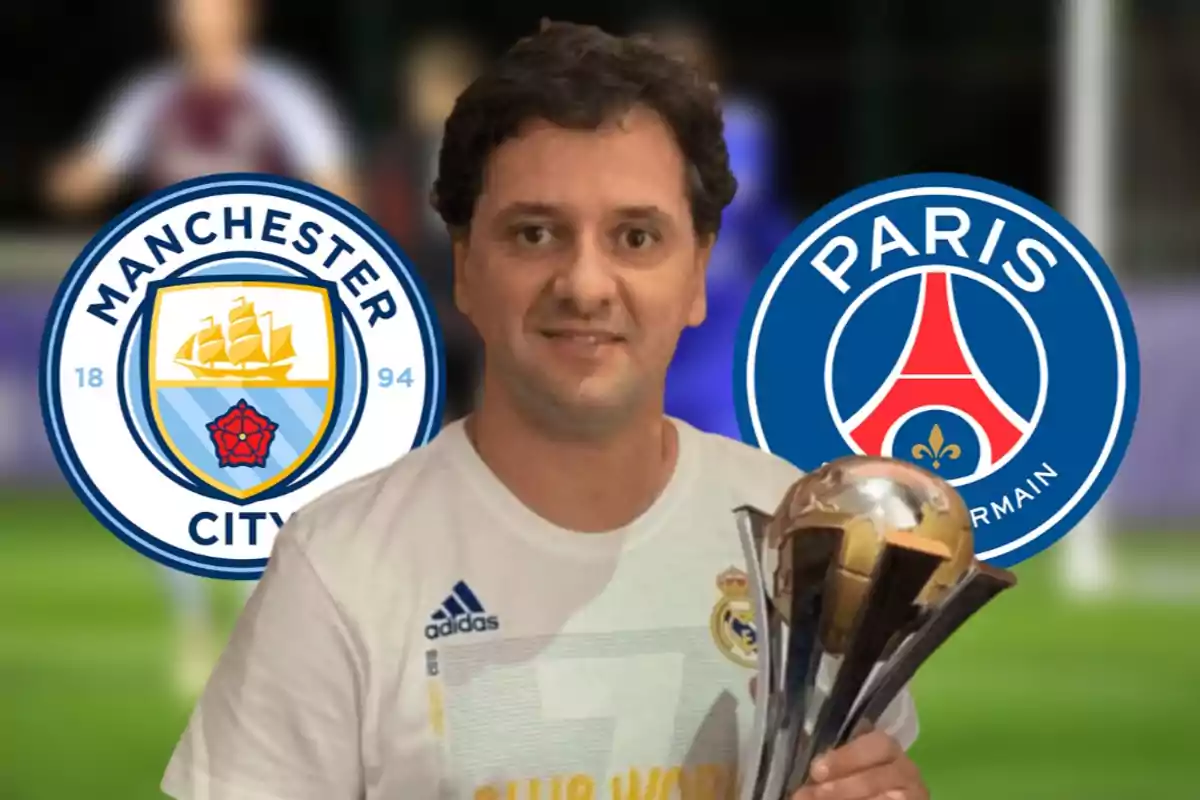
[[279, 718], [309, 124], [125, 126]]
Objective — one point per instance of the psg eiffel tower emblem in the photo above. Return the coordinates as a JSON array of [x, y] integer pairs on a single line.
[[936, 371], [956, 323]]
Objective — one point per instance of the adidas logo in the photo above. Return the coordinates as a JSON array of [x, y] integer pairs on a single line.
[[461, 612]]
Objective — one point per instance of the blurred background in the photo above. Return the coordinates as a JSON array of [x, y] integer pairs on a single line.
[[1083, 683]]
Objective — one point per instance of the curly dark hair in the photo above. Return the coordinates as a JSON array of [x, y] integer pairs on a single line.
[[578, 76]]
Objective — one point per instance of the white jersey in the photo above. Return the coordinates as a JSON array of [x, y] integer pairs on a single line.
[[166, 128], [420, 633]]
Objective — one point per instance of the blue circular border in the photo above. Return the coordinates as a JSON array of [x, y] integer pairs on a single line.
[[950, 180], [100, 244]]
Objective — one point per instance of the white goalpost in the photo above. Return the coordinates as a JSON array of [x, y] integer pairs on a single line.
[[1087, 96]]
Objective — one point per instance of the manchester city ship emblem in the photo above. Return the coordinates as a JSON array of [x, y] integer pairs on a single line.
[[223, 353], [957, 323]]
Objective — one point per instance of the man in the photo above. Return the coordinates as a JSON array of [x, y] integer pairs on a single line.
[[522, 608], [218, 108]]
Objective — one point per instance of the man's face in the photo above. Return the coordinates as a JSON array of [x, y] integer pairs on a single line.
[[582, 268], [211, 26]]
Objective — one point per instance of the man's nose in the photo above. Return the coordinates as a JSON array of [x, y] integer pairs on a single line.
[[587, 280]]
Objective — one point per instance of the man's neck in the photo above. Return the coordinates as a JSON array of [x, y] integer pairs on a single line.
[[586, 485]]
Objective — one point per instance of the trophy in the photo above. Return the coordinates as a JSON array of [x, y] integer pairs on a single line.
[[867, 559]]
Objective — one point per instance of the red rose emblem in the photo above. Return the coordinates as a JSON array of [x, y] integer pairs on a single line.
[[242, 436]]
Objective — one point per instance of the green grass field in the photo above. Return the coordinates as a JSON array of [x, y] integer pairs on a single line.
[[1037, 699]]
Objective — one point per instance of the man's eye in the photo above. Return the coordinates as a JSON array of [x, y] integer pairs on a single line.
[[534, 235], [637, 238]]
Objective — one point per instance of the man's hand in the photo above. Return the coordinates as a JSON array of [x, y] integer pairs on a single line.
[[872, 767]]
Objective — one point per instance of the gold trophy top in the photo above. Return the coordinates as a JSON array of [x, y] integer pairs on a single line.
[[869, 499]]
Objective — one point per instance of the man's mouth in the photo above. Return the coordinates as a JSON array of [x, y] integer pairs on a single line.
[[582, 336]]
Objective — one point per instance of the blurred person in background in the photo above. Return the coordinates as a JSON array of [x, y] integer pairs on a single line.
[[525, 602], [700, 381], [217, 106], [433, 71]]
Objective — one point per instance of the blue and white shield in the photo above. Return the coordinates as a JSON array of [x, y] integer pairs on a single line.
[[241, 378]]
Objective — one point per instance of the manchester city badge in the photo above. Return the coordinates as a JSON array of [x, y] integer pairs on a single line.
[[224, 352]]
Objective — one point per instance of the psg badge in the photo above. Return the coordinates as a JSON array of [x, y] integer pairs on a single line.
[[956, 323], [226, 351]]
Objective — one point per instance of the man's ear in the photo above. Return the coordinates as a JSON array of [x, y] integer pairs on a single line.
[[699, 308]]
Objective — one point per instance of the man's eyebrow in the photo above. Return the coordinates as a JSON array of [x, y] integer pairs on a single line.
[[522, 208], [532, 209], [642, 212]]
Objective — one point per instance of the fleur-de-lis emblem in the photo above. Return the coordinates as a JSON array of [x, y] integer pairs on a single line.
[[936, 449]]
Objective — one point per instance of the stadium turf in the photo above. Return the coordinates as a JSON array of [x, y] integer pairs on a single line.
[[1038, 699]]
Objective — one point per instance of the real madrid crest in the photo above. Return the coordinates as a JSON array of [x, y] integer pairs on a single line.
[[732, 620]]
